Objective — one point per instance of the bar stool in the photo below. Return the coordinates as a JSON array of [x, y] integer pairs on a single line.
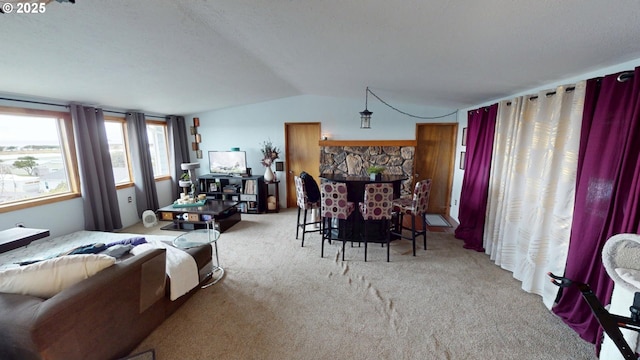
[[416, 206], [304, 204], [335, 207], [377, 206]]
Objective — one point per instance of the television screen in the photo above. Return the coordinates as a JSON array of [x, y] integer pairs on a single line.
[[228, 162]]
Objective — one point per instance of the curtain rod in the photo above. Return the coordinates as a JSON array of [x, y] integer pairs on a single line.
[[67, 106]]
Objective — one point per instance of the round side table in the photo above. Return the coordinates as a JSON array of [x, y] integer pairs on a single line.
[[202, 237]]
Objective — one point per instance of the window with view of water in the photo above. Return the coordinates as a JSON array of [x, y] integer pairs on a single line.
[[36, 162]]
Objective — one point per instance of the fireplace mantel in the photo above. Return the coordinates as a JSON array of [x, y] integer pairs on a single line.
[[368, 143]]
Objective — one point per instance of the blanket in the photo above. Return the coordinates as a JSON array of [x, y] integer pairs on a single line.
[[181, 267]]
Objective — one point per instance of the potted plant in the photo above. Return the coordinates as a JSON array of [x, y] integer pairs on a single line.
[[269, 154], [185, 180], [375, 172]]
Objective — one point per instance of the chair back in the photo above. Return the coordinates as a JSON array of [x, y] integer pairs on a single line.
[[421, 197], [378, 199], [334, 202], [301, 195]]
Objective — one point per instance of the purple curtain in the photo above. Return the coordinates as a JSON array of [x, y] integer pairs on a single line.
[[607, 192], [475, 185]]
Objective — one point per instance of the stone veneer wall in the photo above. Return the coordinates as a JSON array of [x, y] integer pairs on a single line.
[[354, 160]]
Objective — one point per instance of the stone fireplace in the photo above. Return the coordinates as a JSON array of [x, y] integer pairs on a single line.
[[354, 157]]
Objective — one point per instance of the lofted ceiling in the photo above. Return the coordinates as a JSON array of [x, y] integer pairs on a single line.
[[183, 57]]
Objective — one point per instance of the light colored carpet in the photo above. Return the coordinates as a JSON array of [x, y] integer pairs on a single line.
[[281, 301]]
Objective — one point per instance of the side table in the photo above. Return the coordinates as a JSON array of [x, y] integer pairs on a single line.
[[201, 237]]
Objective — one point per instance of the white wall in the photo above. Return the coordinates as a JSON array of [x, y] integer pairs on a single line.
[[248, 126]]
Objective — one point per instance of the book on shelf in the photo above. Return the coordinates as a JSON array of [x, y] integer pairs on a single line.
[[250, 187]]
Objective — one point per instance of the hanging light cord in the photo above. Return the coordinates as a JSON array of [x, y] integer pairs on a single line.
[[405, 113]]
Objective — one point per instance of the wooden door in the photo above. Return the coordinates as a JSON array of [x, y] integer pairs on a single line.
[[435, 160], [302, 150]]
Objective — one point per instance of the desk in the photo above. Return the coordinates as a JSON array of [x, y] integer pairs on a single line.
[[355, 193], [19, 236]]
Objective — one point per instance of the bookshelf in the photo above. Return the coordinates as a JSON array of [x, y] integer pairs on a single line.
[[250, 191]]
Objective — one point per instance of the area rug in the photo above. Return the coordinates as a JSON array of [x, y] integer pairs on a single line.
[[436, 220], [146, 355]]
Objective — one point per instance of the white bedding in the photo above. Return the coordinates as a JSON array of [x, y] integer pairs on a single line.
[[181, 267]]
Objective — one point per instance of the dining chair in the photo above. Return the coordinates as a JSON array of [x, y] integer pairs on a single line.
[[415, 206], [305, 205], [335, 211], [377, 206]]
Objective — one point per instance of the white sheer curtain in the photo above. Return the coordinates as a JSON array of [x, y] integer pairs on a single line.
[[532, 186]]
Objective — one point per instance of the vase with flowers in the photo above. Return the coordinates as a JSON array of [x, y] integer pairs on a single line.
[[269, 154]]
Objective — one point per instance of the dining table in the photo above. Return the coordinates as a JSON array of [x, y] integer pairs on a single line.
[[354, 225]]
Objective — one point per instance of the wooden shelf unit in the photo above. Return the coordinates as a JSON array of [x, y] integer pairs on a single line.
[[251, 191]]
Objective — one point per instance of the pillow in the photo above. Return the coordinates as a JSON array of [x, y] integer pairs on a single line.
[[135, 241], [48, 277], [117, 251]]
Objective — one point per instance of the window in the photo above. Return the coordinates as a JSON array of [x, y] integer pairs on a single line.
[[118, 149], [158, 148], [37, 165]]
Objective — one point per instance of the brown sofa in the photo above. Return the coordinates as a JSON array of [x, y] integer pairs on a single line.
[[103, 317]]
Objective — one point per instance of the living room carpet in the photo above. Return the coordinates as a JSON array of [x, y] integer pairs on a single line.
[[279, 300]]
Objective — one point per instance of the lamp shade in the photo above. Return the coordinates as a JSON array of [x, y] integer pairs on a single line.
[[189, 166]]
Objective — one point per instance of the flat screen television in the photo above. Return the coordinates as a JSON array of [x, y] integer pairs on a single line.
[[228, 162]]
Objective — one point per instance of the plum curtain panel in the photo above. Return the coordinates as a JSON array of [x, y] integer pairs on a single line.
[[179, 148], [99, 197], [532, 185], [475, 185], [144, 181], [607, 193]]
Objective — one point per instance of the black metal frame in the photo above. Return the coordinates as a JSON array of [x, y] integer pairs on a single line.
[[611, 323]]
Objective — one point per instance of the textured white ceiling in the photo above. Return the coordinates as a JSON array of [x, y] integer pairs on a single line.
[[182, 57]]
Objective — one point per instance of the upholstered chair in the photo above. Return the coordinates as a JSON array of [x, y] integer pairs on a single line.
[[304, 205], [415, 206], [377, 207], [335, 211]]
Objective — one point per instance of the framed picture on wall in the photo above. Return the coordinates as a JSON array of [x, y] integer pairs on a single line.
[[463, 158], [464, 137], [199, 154]]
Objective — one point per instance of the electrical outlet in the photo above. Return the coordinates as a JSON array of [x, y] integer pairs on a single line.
[[455, 202], [129, 199]]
